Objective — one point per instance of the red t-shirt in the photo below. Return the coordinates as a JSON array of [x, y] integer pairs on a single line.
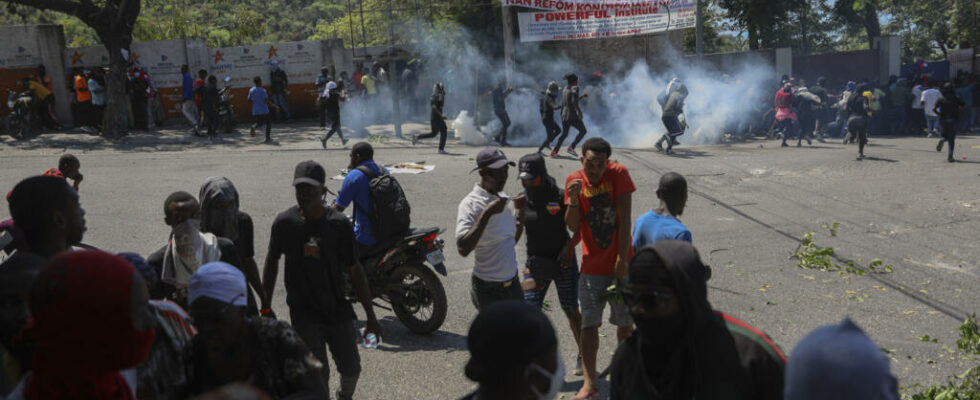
[[197, 98], [597, 208]]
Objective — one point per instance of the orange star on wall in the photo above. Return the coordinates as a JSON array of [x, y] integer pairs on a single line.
[[218, 56], [76, 58], [272, 51]]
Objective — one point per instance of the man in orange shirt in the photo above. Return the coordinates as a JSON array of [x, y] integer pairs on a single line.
[[83, 100], [599, 197]]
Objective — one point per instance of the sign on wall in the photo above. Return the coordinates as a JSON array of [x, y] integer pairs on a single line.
[[597, 19]]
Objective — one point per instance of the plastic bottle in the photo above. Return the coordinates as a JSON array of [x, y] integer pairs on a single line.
[[371, 341]]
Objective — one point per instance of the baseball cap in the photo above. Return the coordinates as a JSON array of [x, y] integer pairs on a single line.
[[532, 166], [491, 157], [309, 172]]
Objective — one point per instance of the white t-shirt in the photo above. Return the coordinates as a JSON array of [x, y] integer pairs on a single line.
[[495, 255], [917, 97], [930, 97]]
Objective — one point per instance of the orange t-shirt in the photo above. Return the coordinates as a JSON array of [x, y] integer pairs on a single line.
[[82, 83], [597, 208]]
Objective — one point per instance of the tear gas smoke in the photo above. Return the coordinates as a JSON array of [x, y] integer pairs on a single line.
[[621, 106]]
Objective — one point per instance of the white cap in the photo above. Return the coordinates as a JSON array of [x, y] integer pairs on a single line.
[[219, 281]]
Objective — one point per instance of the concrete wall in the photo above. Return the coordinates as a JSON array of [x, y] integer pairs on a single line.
[[25, 47], [889, 56], [609, 55], [161, 59], [728, 63], [301, 61], [838, 68], [961, 60]]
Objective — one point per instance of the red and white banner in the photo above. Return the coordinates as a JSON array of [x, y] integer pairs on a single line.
[[594, 19]]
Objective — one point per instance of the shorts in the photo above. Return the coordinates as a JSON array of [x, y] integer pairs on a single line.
[[592, 290], [566, 282]]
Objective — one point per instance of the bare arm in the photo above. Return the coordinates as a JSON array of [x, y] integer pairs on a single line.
[[572, 217], [269, 276], [624, 217], [252, 275]]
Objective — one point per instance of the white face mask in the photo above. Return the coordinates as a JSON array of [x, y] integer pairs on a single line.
[[557, 379]]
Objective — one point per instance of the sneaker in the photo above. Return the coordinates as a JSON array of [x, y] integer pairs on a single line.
[[343, 142], [415, 140], [659, 147], [950, 159], [554, 154], [785, 145], [669, 151], [572, 152], [587, 394], [251, 131], [578, 366], [939, 146], [267, 140], [809, 142], [323, 142], [443, 152]]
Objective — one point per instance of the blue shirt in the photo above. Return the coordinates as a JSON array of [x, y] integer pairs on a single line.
[[258, 95], [188, 88], [652, 227], [356, 188]]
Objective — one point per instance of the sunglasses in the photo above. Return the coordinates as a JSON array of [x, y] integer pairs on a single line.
[[647, 299]]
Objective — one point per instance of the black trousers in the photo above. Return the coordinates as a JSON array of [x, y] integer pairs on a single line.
[[552, 130], [948, 125], [334, 118], [322, 110], [674, 129], [438, 126], [566, 126], [504, 119], [342, 340], [266, 119], [791, 127], [211, 119], [857, 127]]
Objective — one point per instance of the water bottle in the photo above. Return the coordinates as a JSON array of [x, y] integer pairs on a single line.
[[371, 341]]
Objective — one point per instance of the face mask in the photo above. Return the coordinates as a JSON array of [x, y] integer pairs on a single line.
[[659, 330], [556, 379]]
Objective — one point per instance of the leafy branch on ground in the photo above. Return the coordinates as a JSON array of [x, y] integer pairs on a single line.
[[811, 256], [965, 386]]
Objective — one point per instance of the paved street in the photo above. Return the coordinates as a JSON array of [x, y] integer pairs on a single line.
[[749, 206]]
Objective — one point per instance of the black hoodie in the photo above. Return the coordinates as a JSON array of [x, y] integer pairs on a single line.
[[718, 356]]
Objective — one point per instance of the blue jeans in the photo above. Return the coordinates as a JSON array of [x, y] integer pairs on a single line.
[[279, 99], [932, 124]]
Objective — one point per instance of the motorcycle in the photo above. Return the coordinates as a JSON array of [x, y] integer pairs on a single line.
[[401, 277], [226, 112], [22, 120]]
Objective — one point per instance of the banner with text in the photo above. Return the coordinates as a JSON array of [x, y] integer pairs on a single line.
[[595, 19]]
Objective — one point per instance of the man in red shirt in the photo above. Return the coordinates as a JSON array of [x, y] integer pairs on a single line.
[[202, 74], [599, 197]]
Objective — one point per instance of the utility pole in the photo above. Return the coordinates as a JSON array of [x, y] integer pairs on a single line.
[[507, 19], [698, 31]]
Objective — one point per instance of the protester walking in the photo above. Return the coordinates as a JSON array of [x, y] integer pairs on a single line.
[[96, 85], [948, 108], [672, 102], [486, 227], [321, 255], [83, 101], [260, 109], [279, 84], [209, 105], [550, 250], [321, 90], [857, 123], [499, 96], [571, 116], [188, 106], [332, 96], [930, 96], [437, 120], [599, 197], [548, 105]]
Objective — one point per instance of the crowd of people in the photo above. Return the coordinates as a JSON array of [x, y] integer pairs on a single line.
[[195, 317]]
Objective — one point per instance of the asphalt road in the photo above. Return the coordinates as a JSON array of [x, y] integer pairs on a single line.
[[749, 206]]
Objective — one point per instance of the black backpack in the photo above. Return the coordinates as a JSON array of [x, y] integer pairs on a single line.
[[392, 215]]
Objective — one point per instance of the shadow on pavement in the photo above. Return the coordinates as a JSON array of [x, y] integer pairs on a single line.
[[398, 339]]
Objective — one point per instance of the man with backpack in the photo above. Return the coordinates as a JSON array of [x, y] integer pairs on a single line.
[[380, 208]]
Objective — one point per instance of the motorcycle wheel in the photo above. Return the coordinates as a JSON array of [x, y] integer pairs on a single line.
[[420, 302]]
